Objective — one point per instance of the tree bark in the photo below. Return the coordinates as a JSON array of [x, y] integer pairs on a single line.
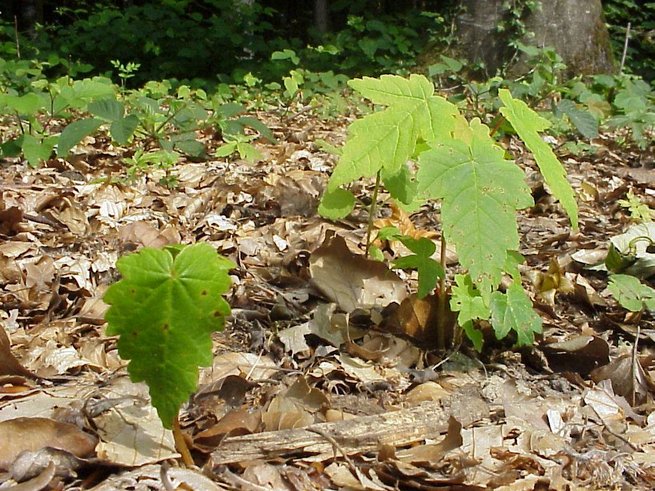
[[574, 28], [322, 16], [31, 13], [577, 31]]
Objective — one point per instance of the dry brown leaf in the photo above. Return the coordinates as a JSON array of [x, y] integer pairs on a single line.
[[236, 422], [9, 365], [580, 354], [628, 378], [142, 233], [351, 280], [32, 434], [434, 452], [295, 408], [402, 221], [10, 220]]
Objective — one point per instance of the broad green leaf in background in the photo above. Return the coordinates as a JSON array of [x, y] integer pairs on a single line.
[[512, 311], [27, 104], [583, 120], [108, 109], [429, 270], [122, 129], [480, 193], [74, 132], [336, 204], [386, 140], [631, 293], [37, 150], [164, 310], [528, 124]]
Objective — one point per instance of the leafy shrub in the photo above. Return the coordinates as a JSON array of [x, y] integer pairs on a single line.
[[167, 40]]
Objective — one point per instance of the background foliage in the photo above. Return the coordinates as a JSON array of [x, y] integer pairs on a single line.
[[225, 39]]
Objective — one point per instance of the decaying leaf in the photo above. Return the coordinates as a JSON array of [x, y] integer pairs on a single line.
[[32, 434], [9, 365], [352, 281]]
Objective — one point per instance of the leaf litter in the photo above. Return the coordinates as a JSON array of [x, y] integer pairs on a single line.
[[321, 379]]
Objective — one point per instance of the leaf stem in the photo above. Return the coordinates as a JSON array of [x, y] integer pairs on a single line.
[[372, 212], [180, 444], [441, 299], [497, 126]]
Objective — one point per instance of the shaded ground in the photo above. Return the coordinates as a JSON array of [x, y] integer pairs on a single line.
[[301, 395]]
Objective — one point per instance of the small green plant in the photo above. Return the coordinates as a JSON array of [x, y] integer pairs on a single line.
[[460, 164], [241, 145], [635, 107], [631, 293], [164, 310], [639, 211], [144, 162], [40, 109], [125, 71]]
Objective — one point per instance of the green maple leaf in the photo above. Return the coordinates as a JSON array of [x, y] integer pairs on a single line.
[[528, 124], [469, 303], [385, 140], [164, 310], [429, 270], [480, 193], [512, 311], [631, 293]]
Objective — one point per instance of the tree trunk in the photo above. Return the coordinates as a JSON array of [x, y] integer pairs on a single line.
[[577, 31], [322, 16], [574, 28], [31, 13]]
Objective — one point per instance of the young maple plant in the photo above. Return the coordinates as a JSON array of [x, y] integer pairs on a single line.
[[459, 163], [164, 309]]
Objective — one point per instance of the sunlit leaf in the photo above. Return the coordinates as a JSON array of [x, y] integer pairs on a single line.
[[164, 310], [528, 124], [480, 193], [386, 140]]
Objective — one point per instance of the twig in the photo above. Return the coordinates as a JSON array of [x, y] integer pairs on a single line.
[[16, 35], [625, 47], [180, 444], [371, 213], [336, 446]]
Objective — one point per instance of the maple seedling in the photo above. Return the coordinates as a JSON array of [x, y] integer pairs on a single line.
[[164, 310], [461, 165]]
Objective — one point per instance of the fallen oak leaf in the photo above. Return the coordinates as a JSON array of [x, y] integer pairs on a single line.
[[9, 365]]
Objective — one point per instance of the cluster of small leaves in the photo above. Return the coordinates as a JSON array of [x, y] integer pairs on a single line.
[[461, 165], [631, 293], [164, 309], [141, 118]]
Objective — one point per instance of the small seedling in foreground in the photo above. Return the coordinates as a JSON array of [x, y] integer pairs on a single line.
[[164, 309]]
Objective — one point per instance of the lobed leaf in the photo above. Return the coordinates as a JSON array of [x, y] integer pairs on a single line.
[[429, 270], [384, 141], [480, 193], [512, 311], [528, 124], [164, 310]]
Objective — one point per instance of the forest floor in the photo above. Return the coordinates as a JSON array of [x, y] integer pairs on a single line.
[[307, 390]]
